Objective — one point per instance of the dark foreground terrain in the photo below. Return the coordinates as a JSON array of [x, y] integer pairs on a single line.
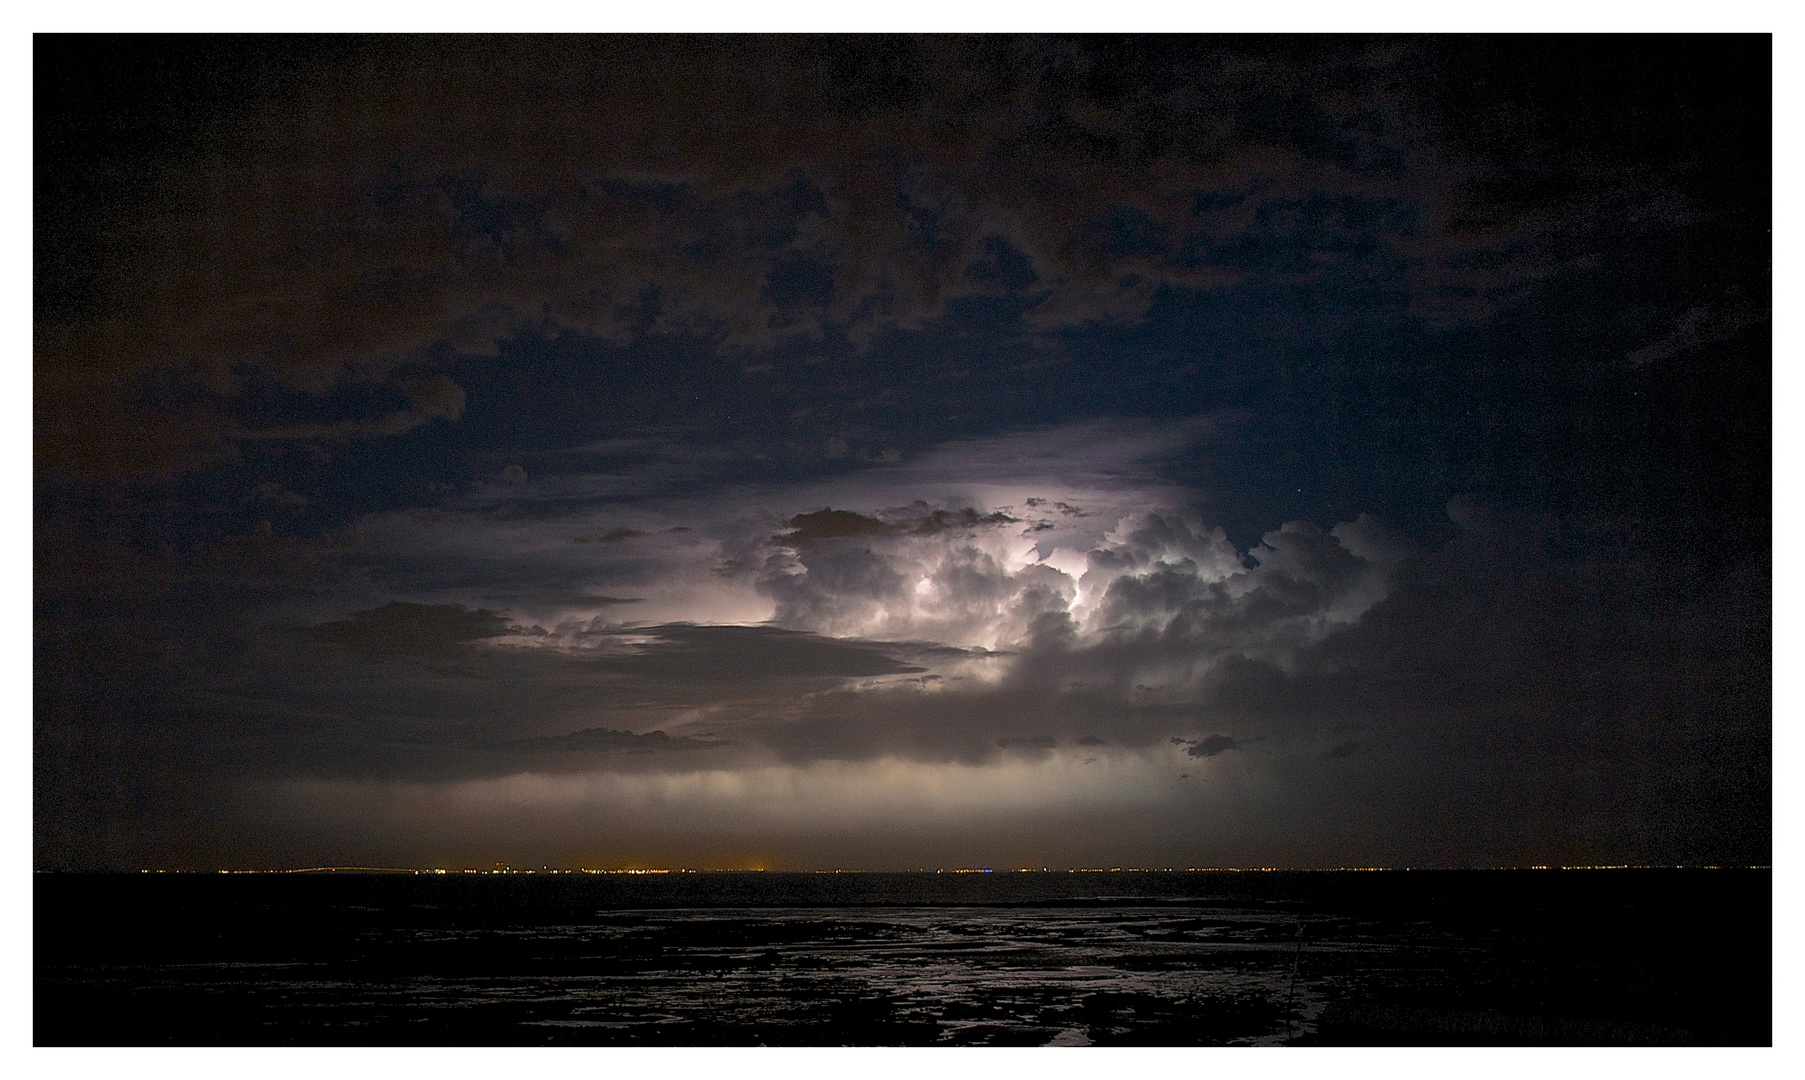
[[1608, 957]]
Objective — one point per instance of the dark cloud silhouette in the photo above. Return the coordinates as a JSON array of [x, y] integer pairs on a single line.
[[931, 521], [401, 628], [607, 741], [1211, 746], [830, 524], [612, 536]]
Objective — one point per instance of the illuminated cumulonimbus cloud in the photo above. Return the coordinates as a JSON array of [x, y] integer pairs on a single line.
[[976, 578], [1058, 542]]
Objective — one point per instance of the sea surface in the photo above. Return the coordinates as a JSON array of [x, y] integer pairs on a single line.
[[1493, 957]]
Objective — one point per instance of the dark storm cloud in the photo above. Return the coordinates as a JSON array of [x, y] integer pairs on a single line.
[[371, 201], [433, 398], [831, 524], [1210, 747], [413, 691], [411, 628], [917, 519], [606, 741], [612, 536]]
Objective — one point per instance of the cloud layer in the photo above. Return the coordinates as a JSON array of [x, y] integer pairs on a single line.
[[355, 220]]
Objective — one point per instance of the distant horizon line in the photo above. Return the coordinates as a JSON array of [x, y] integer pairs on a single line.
[[506, 869]]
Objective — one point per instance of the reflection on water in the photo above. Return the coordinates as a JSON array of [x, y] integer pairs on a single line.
[[398, 961], [959, 976]]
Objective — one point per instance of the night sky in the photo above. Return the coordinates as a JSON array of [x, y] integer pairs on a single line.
[[816, 452]]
